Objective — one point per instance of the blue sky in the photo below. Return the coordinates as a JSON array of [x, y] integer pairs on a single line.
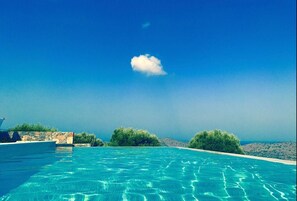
[[223, 64]]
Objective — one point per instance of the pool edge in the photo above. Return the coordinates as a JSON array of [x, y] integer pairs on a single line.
[[275, 160]]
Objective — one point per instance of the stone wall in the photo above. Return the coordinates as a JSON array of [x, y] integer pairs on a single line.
[[59, 137]]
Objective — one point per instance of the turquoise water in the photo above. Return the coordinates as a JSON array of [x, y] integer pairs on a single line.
[[146, 174]]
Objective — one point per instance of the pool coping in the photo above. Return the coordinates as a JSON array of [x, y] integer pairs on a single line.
[[27, 142], [275, 160]]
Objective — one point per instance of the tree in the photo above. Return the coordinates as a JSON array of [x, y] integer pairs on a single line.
[[216, 140], [84, 137], [32, 127], [133, 137]]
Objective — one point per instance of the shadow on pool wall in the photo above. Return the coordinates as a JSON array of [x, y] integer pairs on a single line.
[[20, 161]]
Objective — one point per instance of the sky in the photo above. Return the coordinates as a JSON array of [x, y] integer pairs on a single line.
[[173, 68]]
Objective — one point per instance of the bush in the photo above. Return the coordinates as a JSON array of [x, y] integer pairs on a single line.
[[32, 127], [83, 138], [133, 137], [216, 140]]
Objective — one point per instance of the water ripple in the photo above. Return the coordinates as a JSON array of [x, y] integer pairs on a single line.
[[155, 174]]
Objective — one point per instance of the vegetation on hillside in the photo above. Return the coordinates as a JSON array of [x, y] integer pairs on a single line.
[[133, 137], [85, 138], [216, 140], [280, 150], [32, 127]]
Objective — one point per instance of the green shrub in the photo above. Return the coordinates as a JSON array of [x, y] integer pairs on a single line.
[[32, 127], [216, 140], [133, 137], [83, 138]]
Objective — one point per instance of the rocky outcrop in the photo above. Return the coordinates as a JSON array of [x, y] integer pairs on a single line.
[[172, 143]]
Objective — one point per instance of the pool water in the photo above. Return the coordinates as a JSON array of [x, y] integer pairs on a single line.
[[145, 174]]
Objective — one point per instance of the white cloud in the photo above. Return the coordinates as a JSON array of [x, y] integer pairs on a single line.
[[146, 25], [148, 65]]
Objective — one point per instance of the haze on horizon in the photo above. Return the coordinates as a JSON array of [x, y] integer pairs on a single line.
[[171, 68]]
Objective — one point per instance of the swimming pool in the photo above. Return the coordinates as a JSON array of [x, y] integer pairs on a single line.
[[145, 174]]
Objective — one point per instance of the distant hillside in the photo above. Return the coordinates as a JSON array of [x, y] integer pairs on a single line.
[[280, 150], [172, 143], [283, 150]]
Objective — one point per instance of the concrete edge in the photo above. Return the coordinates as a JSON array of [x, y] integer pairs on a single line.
[[27, 142]]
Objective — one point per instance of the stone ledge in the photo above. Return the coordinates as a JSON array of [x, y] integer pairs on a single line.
[[82, 145]]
